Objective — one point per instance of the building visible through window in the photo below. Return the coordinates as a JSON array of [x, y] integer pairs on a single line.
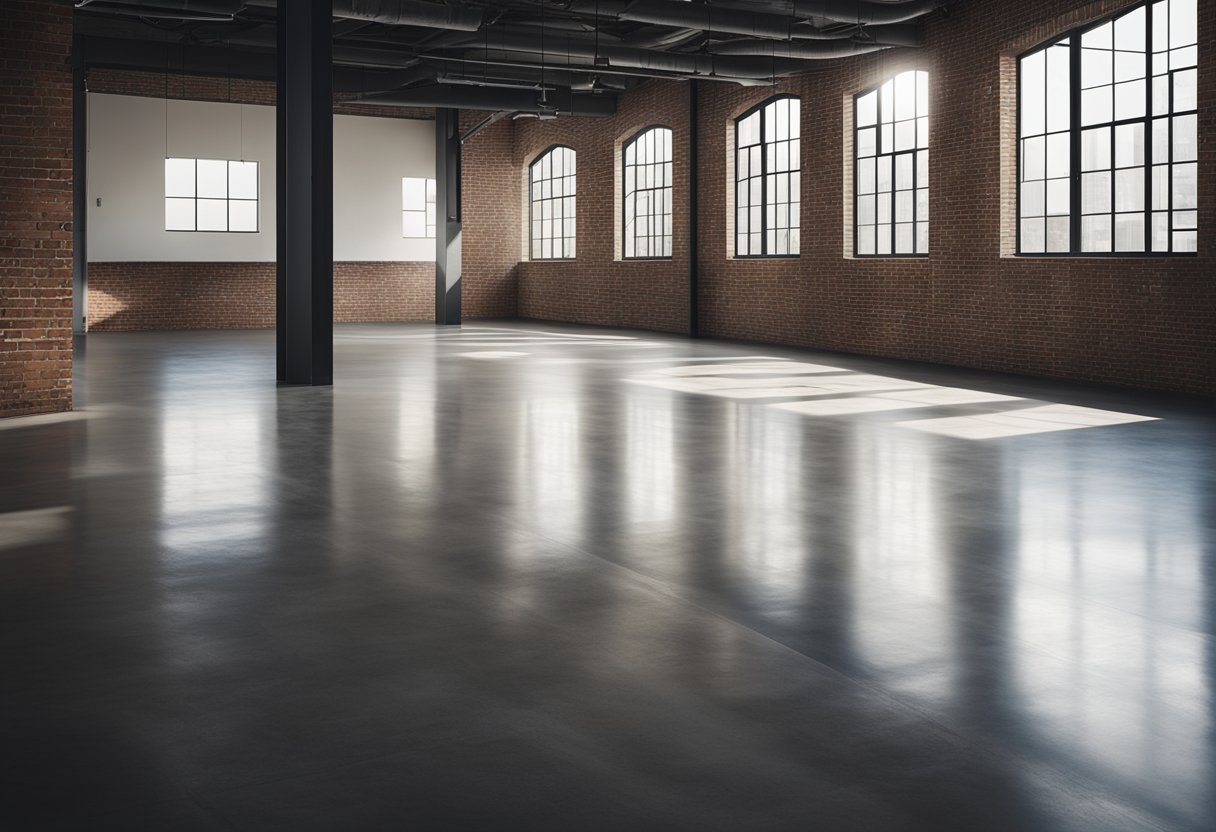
[[891, 175], [767, 168], [551, 197], [647, 173], [1108, 136], [211, 195]]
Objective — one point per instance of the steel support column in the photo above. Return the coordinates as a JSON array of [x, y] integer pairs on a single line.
[[80, 193], [305, 191], [694, 266], [447, 216]]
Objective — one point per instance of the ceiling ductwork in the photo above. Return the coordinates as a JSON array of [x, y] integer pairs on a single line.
[[532, 56]]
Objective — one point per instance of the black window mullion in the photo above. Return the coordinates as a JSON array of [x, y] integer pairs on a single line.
[[764, 180], [1074, 146]]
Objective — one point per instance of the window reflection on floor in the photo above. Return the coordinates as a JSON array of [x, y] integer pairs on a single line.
[[822, 390]]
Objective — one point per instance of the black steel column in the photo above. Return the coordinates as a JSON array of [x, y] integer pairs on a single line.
[[694, 271], [305, 191], [80, 193], [447, 216]]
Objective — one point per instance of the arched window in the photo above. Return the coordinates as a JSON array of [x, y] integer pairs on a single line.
[[647, 175], [551, 192], [891, 175], [767, 166], [1108, 136]]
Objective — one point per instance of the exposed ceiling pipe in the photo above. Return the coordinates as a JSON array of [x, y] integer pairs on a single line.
[[401, 13], [870, 12], [804, 50], [628, 56], [208, 11], [473, 98]]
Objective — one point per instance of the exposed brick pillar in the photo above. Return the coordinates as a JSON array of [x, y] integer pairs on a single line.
[[35, 207]]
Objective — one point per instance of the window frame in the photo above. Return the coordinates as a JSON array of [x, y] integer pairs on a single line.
[[1075, 129], [540, 157], [734, 242], [625, 194], [881, 152], [228, 200], [429, 189]]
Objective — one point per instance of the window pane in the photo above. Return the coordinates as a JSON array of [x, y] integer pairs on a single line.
[[413, 194], [242, 215], [179, 214], [1095, 148], [1129, 232], [243, 180], [179, 178], [212, 215], [867, 109], [212, 179]]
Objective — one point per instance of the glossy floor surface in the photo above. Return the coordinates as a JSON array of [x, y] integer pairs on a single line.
[[520, 576]]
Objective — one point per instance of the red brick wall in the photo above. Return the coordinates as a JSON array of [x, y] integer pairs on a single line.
[[490, 236], [139, 296], [598, 287], [35, 207], [1139, 321]]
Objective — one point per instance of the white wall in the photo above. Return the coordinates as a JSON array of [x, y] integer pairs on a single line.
[[127, 149]]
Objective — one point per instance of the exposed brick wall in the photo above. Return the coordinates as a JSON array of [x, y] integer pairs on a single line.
[[1136, 321], [35, 207], [141, 296], [1139, 321], [489, 244], [598, 287]]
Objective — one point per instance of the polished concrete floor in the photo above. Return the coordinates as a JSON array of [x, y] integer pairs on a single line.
[[520, 576]]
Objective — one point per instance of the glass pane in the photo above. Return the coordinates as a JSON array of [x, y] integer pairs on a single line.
[[1130, 30], [1058, 196], [242, 215], [1096, 106], [1099, 37], [1058, 153], [1185, 219], [922, 238], [865, 176], [867, 142], [1129, 99], [903, 171], [1185, 90], [1096, 68], [212, 214], [1129, 189], [882, 181], [1129, 232], [865, 240], [179, 179], [1161, 187], [413, 194], [867, 109], [1129, 66], [1034, 235], [1186, 139], [1185, 190], [1095, 148], [1129, 145], [1033, 198], [1032, 87], [179, 214], [1186, 241], [212, 180], [1057, 233], [1095, 233], [904, 238], [1095, 192], [1033, 158], [243, 180], [1161, 231], [865, 210], [413, 224], [1182, 22], [1058, 70]]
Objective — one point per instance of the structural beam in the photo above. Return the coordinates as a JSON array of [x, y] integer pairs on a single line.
[[447, 216], [80, 194], [694, 264], [305, 191]]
